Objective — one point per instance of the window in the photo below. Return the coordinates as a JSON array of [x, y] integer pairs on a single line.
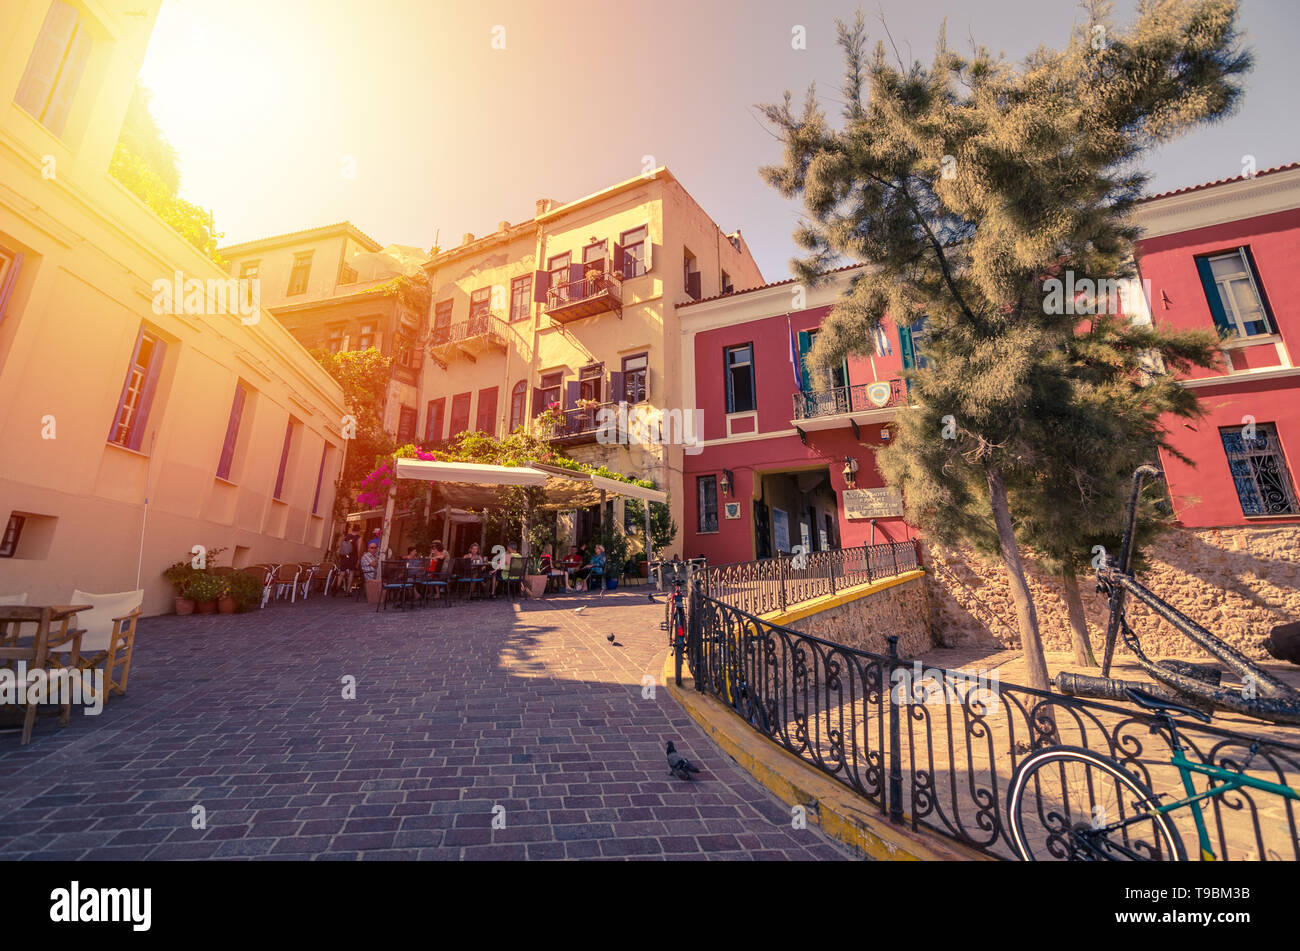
[[335, 340], [407, 417], [348, 275], [10, 262], [138, 391], [1259, 471], [521, 293], [366, 339], [9, 540], [409, 352], [459, 414], [550, 390], [816, 377], [1232, 291], [480, 302], [726, 283], [518, 405], [442, 322], [320, 478], [590, 379], [284, 460], [232, 433], [636, 251], [691, 275], [636, 379], [250, 269], [558, 267], [487, 411], [911, 342], [707, 489], [433, 421], [740, 379], [301, 270], [593, 255], [55, 67]]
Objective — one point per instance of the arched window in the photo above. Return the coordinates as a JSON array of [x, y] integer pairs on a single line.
[[518, 404]]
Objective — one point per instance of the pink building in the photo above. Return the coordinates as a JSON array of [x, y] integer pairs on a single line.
[[1225, 255], [786, 457]]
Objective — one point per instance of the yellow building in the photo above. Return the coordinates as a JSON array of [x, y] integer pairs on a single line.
[[333, 288], [577, 309], [131, 367]]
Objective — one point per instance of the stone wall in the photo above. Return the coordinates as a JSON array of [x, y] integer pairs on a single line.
[[1235, 582], [864, 623]]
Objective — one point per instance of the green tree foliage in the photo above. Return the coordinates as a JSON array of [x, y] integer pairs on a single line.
[[964, 185], [364, 376], [145, 162]]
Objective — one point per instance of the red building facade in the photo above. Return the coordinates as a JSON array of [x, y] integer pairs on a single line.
[[1224, 255], [786, 457]]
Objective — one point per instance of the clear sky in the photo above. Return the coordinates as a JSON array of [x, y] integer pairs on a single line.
[[403, 117]]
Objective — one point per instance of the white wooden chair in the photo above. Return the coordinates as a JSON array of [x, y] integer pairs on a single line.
[[13, 600], [108, 635]]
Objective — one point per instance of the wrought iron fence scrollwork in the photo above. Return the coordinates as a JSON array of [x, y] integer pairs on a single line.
[[935, 748], [774, 584]]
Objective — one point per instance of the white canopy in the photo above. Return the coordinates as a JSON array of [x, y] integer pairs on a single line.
[[468, 472], [614, 487]]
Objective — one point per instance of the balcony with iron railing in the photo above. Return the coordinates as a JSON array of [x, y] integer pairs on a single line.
[[859, 402], [581, 424], [585, 294], [479, 335]]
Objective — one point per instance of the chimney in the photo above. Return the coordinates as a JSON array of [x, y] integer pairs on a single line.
[[503, 226], [544, 205], [467, 238]]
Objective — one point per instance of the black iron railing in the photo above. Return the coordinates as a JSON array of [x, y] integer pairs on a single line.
[[478, 325], [936, 748], [607, 284], [583, 421], [857, 398], [773, 584]]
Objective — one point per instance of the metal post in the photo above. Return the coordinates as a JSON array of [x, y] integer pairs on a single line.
[[780, 569], [830, 561], [895, 741], [893, 550]]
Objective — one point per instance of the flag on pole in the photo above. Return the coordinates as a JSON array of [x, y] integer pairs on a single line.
[[794, 356]]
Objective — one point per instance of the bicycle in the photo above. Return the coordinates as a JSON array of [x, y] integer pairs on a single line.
[[1099, 812], [674, 622]]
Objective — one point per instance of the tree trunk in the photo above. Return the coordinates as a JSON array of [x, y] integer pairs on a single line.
[[1083, 655], [1031, 643]]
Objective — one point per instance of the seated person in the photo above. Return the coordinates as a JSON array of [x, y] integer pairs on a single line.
[[370, 562], [474, 556], [511, 551], [437, 558], [597, 567]]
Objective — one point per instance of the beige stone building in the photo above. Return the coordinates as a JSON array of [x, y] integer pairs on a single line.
[[334, 288], [149, 404], [576, 308]]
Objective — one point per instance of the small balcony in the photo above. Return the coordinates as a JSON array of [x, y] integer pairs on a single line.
[[856, 404], [469, 339], [585, 295], [580, 425]]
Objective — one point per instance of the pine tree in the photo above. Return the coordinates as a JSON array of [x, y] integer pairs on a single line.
[[966, 184]]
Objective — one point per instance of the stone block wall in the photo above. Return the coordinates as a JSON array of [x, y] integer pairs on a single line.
[[865, 622], [1236, 582]]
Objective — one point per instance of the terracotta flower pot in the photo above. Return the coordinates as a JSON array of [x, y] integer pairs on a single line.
[[226, 605], [207, 607], [534, 585], [373, 590], [184, 606]]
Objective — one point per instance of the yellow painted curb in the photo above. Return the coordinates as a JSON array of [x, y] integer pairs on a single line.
[[828, 601], [836, 809]]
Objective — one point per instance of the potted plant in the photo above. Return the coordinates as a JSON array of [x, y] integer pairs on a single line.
[[225, 602], [246, 589], [205, 589], [180, 575]]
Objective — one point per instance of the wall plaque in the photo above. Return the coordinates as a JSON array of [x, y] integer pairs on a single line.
[[873, 503]]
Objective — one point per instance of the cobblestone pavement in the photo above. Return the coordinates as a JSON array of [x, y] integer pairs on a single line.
[[525, 706]]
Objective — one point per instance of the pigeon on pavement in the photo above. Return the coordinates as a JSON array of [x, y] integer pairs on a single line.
[[652, 598], [579, 610], [680, 765]]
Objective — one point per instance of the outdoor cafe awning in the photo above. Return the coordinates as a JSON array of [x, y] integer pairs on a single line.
[[476, 485]]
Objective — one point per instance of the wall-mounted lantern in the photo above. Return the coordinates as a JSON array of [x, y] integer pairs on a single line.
[[728, 480], [850, 472]]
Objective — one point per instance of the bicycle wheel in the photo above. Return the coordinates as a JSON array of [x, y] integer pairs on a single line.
[[1068, 803], [668, 622]]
